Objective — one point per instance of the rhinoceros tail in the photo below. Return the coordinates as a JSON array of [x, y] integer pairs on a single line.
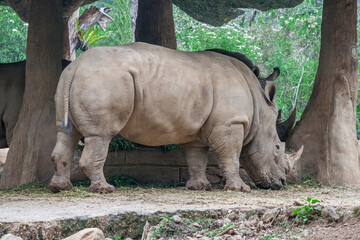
[[66, 94]]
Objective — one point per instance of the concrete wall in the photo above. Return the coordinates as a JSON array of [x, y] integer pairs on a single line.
[[149, 165]]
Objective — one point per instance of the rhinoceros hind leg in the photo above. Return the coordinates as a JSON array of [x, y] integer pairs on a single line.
[[226, 141], [196, 160], [62, 156], [92, 162]]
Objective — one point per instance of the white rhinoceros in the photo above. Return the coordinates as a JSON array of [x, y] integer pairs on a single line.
[[153, 96]]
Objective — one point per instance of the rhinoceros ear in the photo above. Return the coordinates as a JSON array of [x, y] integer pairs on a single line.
[[274, 75], [270, 91]]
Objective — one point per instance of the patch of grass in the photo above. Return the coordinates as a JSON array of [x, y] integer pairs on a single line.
[[41, 189], [307, 211]]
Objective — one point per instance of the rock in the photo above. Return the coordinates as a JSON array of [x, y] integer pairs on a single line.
[[219, 223], [269, 215], [329, 213], [347, 215], [177, 219], [297, 203], [356, 211], [242, 217], [205, 238], [233, 216], [213, 214], [261, 210], [197, 225], [9, 236], [87, 234], [224, 212], [253, 219]]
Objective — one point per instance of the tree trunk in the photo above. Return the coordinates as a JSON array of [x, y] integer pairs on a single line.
[[155, 23], [327, 128], [35, 132]]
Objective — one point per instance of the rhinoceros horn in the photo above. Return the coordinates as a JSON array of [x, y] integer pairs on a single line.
[[274, 75], [284, 128], [293, 158]]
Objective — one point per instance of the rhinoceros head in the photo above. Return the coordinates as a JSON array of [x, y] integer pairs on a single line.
[[264, 157]]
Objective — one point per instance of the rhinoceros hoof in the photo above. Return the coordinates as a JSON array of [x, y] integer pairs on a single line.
[[101, 187], [60, 186], [198, 185], [237, 187]]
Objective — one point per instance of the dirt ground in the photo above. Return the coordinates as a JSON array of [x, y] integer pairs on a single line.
[[46, 207]]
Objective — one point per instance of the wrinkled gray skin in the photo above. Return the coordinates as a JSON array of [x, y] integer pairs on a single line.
[[12, 85], [155, 96]]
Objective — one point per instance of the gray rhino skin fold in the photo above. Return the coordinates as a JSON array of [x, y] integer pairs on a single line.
[[153, 96]]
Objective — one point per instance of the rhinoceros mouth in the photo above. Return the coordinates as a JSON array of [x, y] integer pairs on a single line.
[[275, 185]]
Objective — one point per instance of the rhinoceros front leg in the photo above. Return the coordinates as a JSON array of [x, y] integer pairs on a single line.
[[196, 160], [62, 156], [92, 162], [226, 141]]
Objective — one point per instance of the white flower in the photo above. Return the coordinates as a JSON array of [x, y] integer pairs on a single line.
[[14, 30], [286, 22], [12, 21], [290, 18]]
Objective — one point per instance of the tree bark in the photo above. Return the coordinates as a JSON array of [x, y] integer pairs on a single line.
[[327, 128], [155, 23], [35, 133], [70, 36]]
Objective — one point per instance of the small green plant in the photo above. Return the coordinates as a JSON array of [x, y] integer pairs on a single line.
[[307, 211], [88, 37], [118, 237]]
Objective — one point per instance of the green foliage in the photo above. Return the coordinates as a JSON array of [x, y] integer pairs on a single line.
[[307, 211], [169, 148], [119, 143], [310, 181], [116, 144], [88, 37], [13, 35], [117, 181], [119, 237]]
